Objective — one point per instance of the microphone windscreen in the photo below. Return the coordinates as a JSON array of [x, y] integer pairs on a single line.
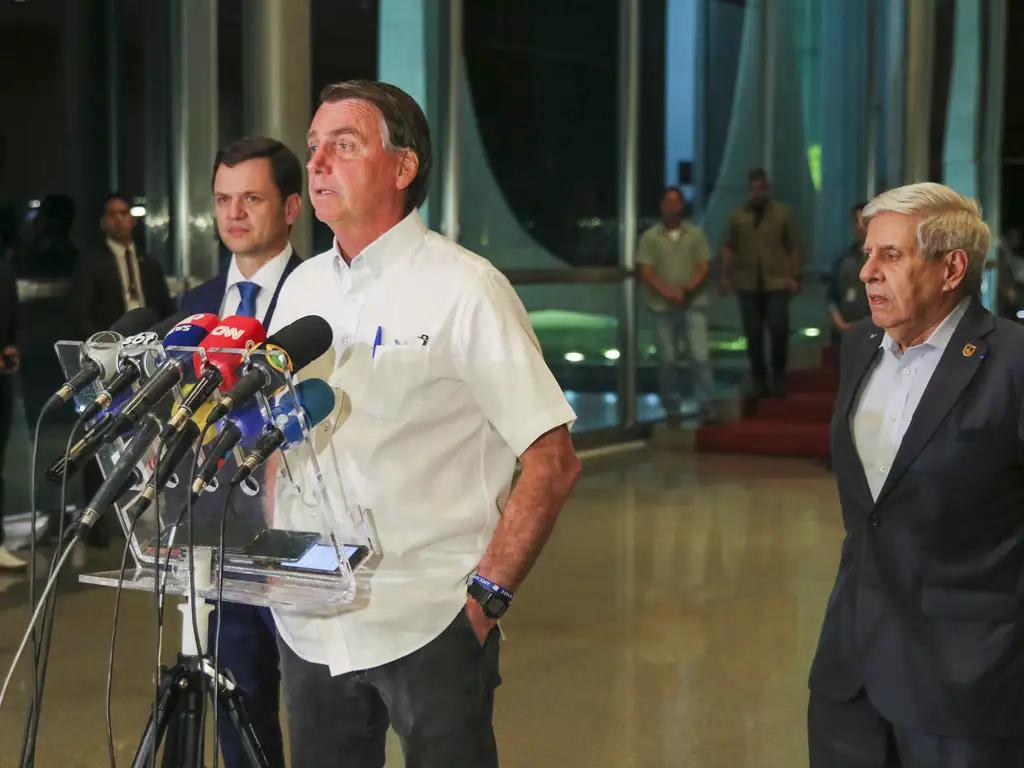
[[103, 348], [317, 398], [302, 341], [235, 332], [135, 321], [162, 327], [190, 331]]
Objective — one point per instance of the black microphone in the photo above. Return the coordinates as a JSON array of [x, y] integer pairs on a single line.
[[101, 362], [122, 476], [290, 349], [176, 449]]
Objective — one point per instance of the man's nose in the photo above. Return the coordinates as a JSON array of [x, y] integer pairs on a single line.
[[869, 273], [235, 209], [316, 162]]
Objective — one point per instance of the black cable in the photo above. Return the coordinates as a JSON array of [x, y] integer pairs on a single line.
[[220, 613], [201, 746], [156, 594], [113, 636], [32, 546], [41, 641]]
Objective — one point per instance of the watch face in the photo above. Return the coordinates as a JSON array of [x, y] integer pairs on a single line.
[[494, 607]]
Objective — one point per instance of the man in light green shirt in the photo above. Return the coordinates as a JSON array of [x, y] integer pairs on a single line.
[[673, 260]]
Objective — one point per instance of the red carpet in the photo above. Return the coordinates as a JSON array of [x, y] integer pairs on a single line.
[[797, 425]]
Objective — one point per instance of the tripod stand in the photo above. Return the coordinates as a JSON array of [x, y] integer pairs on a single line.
[[180, 697]]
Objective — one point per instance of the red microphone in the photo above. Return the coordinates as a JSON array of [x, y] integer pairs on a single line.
[[218, 371], [235, 332]]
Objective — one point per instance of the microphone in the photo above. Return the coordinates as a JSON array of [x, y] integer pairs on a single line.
[[101, 361], [316, 401], [175, 450], [122, 476], [316, 404], [236, 332], [189, 332], [134, 360], [290, 349]]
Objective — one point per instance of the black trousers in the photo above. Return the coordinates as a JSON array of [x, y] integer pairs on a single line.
[[6, 417], [758, 310], [439, 700], [853, 735]]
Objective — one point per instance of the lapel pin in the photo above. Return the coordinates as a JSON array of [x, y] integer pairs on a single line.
[[969, 349]]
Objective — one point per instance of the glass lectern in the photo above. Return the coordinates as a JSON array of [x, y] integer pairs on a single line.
[[286, 538]]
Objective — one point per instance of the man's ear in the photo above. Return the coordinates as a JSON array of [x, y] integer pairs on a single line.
[[408, 167], [292, 208], [957, 263]]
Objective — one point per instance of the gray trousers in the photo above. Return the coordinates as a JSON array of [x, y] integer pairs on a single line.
[[671, 327], [439, 700]]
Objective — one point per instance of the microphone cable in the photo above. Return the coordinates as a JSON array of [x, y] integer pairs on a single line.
[[43, 633], [67, 550], [220, 614], [201, 746], [156, 594], [113, 635]]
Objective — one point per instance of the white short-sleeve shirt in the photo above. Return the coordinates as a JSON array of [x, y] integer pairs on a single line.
[[426, 430]]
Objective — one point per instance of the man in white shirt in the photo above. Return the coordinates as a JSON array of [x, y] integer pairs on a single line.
[[441, 385], [257, 186]]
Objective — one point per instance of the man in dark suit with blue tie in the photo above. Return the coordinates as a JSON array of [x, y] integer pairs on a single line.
[[257, 187], [920, 663]]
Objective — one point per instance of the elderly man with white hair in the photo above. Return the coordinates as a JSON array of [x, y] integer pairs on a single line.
[[921, 656]]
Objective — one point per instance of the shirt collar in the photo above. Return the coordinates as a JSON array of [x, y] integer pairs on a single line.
[[401, 240], [267, 277], [119, 249], [940, 337]]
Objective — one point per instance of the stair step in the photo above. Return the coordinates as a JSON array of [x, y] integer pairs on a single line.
[[798, 408], [766, 437]]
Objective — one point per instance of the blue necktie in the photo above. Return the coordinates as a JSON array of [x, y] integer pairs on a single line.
[[247, 306]]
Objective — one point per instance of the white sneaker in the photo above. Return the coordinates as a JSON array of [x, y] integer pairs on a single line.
[[9, 561]]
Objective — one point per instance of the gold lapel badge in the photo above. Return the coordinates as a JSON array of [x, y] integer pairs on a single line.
[[969, 350]]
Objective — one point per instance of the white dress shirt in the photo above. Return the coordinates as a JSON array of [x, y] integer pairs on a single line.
[[267, 277], [425, 433], [890, 396], [127, 268]]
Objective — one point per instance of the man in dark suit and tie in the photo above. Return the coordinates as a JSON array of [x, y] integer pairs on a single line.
[[108, 281], [116, 276], [921, 657], [257, 187]]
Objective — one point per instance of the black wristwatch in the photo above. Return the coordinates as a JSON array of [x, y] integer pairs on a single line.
[[494, 600]]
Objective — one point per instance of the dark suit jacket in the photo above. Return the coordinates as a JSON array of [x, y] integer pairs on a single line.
[[9, 305], [97, 298], [926, 611], [208, 298]]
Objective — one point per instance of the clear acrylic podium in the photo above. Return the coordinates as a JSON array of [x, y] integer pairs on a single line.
[[307, 500]]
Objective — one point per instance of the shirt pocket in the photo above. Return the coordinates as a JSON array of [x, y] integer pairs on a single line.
[[393, 387]]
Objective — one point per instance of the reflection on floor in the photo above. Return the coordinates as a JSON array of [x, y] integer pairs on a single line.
[[670, 622]]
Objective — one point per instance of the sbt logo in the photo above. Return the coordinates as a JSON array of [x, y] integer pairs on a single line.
[[226, 330]]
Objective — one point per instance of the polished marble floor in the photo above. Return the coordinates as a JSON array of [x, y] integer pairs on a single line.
[[670, 622]]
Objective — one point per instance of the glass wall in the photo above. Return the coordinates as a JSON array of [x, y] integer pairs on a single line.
[[557, 124]]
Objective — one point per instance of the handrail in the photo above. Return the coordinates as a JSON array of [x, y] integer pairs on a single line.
[[570, 275]]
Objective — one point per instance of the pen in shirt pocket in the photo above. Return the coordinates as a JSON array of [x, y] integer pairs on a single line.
[[376, 342]]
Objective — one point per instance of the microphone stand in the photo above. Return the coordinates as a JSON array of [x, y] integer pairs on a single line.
[[181, 687]]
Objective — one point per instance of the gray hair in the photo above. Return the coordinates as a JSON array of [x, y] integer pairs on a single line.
[[403, 126], [948, 222]]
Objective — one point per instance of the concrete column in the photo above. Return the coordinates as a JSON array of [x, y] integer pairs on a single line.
[[194, 138], [920, 47], [845, 80], [629, 128], [413, 54], [894, 96], [961, 149], [277, 89]]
